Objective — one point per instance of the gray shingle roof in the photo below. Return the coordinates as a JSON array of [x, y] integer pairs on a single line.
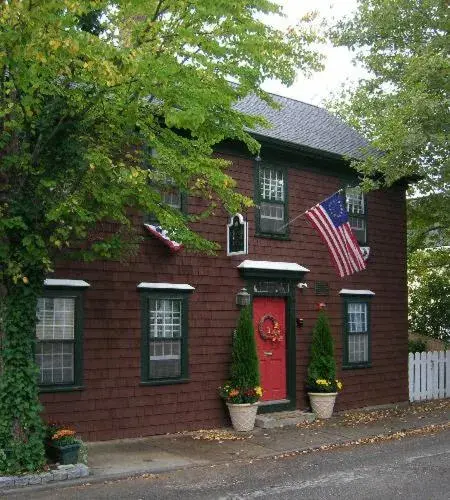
[[303, 124]]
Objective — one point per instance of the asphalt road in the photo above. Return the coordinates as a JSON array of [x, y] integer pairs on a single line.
[[412, 468]]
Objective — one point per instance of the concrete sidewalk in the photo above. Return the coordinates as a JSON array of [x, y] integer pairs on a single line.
[[131, 457]]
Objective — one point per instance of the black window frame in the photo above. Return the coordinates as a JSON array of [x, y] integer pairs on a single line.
[[78, 295], [363, 217], [259, 232], [150, 218], [356, 299], [174, 294]]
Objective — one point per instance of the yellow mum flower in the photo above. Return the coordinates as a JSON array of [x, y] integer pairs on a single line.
[[258, 391]]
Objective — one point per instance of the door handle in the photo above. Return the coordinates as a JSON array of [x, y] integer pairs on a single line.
[[268, 353]]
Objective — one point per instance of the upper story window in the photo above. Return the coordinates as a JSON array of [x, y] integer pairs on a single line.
[[59, 330], [173, 198], [272, 201], [170, 194], [357, 212]]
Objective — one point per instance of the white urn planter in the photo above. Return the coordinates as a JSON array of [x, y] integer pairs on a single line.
[[322, 403], [243, 416]]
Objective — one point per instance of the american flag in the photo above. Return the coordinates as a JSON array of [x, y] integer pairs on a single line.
[[330, 218], [161, 234]]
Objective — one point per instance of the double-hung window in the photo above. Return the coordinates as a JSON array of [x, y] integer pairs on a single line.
[[357, 330], [59, 331], [164, 332], [170, 194], [272, 201], [357, 212], [172, 197]]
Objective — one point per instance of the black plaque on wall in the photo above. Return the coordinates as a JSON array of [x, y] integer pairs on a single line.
[[237, 237]]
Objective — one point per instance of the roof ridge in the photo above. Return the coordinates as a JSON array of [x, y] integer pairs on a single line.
[[298, 100]]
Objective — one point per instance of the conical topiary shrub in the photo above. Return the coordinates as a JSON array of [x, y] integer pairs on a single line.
[[322, 364], [244, 371], [242, 391], [321, 382]]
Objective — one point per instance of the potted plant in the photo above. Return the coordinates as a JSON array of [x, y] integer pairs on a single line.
[[242, 392], [61, 444], [322, 384]]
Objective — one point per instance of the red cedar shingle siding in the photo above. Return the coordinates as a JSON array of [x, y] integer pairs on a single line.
[[115, 405]]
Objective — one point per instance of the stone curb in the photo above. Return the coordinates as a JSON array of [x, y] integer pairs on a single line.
[[61, 473]]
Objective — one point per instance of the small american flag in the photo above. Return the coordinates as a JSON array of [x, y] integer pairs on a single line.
[[330, 218], [161, 234]]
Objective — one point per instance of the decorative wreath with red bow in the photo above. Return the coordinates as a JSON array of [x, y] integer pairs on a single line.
[[273, 332]]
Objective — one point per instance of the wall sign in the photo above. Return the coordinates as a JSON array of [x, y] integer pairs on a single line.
[[237, 235]]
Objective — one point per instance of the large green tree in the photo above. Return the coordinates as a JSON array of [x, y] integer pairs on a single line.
[[88, 90], [402, 106], [429, 292]]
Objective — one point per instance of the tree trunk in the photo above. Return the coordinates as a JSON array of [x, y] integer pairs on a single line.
[[21, 427]]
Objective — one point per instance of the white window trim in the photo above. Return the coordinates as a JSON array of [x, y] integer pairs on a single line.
[[165, 286], [347, 291], [277, 266], [66, 283]]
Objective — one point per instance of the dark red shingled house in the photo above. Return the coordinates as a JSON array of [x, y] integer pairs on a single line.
[[138, 349]]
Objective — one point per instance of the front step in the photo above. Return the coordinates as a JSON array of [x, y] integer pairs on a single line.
[[283, 419]]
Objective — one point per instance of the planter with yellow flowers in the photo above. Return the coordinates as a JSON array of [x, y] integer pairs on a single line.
[[322, 396]]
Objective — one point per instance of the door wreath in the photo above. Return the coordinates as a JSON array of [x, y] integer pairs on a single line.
[[273, 332]]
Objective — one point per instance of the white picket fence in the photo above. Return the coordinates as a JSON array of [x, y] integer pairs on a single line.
[[429, 375]]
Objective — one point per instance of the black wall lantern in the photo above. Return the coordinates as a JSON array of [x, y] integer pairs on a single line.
[[243, 298]]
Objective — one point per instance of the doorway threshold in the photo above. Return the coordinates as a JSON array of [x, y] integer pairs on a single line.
[[276, 405]]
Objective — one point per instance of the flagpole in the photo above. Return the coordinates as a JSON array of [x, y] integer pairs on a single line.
[[303, 213]]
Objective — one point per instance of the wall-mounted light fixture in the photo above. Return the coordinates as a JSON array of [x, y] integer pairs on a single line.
[[243, 298]]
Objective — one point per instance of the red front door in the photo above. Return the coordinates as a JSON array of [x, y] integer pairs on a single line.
[[269, 320]]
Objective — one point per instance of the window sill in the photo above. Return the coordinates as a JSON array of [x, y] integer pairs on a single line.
[[167, 381], [62, 388], [273, 236], [357, 366]]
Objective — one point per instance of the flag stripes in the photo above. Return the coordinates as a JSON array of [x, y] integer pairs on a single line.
[[330, 219], [161, 234]]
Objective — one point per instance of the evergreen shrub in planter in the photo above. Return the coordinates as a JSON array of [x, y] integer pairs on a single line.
[[242, 392], [321, 383]]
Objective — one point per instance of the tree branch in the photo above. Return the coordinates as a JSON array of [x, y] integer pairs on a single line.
[[37, 148]]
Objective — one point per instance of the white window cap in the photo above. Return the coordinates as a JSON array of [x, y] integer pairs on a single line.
[[277, 266], [347, 291], [166, 286], [67, 283]]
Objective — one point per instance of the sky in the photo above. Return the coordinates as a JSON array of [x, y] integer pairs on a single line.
[[338, 63]]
